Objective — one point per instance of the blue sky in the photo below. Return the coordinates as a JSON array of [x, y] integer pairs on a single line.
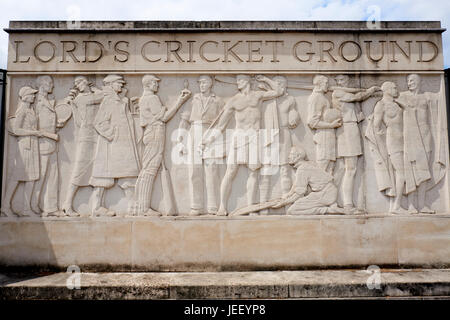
[[223, 10]]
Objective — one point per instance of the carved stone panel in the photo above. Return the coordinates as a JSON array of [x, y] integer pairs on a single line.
[[224, 124]]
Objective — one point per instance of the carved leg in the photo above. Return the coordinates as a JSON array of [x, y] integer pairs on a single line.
[[212, 183], [225, 188], [196, 188], [348, 183], [67, 206], [251, 186], [35, 200], [421, 198], [264, 191], [50, 199], [397, 162], [98, 202], [144, 188], [28, 190], [6, 205]]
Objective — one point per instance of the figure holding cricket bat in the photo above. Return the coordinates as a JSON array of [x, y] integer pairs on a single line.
[[321, 199], [153, 118]]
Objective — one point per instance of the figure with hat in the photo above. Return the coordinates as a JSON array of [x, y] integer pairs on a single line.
[[116, 155], [245, 147], [202, 167], [24, 166], [84, 101], [153, 116]]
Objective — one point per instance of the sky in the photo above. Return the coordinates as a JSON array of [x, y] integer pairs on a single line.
[[385, 10]]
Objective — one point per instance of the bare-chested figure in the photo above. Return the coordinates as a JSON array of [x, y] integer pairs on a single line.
[[388, 113], [245, 106], [418, 141]]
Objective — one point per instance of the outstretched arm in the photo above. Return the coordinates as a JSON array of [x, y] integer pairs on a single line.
[[275, 91]]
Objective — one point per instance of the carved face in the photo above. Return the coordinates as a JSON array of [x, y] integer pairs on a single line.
[[282, 84], [29, 98], [242, 83], [393, 91], [204, 85], [153, 85], [82, 85], [117, 86], [342, 81], [413, 82], [324, 85], [47, 86]]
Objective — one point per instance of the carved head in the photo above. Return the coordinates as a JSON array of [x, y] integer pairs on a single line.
[[342, 80], [389, 89], [296, 154], [413, 81], [150, 82], [281, 81], [242, 81], [81, 83], [45, 84], [27, 94], [205, 83], [320, 83], [116, 82]]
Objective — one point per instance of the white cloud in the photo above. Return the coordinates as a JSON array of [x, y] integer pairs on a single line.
[[222, 10]]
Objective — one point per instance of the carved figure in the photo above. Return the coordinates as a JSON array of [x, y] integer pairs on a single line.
[[245, 106], [116, 155], [153, 118], [323, 120], [84, 101], [206, 106], [348, 144], [321, 199], [422, 129], [25, 165], [282, 116], [48, 151], [389, 151]]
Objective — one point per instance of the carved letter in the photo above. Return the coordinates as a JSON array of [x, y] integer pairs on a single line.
[[202, 51], [18, 55], [435, 49], [322, 50], [69, 51], [171, 51], [274, 49], [407, 55], [121, 51], [86, 49], [252, 50], [369, 54], [341, 50], [143, 51], [230, 51], [36, 55], [191, 50], [295, 53]]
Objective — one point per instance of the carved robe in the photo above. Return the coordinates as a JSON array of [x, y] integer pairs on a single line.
[[116, 155]]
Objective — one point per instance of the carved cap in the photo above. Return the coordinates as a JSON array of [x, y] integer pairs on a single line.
[[25, 91], [113, 78]]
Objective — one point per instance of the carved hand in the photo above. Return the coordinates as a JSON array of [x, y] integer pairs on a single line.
[[336, 123], [185, 95], [260, 77]]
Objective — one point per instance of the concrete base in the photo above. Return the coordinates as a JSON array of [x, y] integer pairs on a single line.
[[230, 285], [226, 244]]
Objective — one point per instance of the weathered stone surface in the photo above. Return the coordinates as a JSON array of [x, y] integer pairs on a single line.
[[395, 283], [225, 145]]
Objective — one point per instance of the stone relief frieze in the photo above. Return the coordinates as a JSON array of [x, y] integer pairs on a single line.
[[146, 145]]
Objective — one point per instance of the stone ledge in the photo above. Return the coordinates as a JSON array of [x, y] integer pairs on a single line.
[[395, 283], [205, 26]]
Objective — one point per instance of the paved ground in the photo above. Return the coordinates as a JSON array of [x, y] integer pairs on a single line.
[[393, 283]]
